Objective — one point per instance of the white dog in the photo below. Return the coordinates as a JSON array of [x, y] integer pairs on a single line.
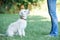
[[20, 25]]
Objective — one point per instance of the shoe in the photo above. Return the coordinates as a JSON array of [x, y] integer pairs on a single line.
[[55, 35], [51, 35]]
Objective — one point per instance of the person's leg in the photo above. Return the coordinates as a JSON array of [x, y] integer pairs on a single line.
[[52, 13]]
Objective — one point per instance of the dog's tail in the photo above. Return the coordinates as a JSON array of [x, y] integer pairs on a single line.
[[2, 35]]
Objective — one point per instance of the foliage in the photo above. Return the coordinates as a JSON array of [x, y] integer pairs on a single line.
[[6, 5]]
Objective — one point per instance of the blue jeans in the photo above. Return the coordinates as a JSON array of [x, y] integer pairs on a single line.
[[52, 13]]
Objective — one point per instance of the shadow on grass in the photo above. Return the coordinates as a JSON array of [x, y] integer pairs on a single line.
[[36, 28], [37, 25]]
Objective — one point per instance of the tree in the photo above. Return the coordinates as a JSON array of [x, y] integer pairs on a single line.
[[7, 4]]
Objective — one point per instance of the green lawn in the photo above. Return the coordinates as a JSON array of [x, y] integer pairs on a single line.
[[36, 28]]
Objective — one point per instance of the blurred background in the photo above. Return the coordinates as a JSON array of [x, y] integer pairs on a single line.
[[37, 7], [39, 22]]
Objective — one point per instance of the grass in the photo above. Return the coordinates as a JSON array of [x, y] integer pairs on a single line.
[[36, 28]]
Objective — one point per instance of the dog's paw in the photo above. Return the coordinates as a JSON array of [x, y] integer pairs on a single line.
[[24, 35]]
